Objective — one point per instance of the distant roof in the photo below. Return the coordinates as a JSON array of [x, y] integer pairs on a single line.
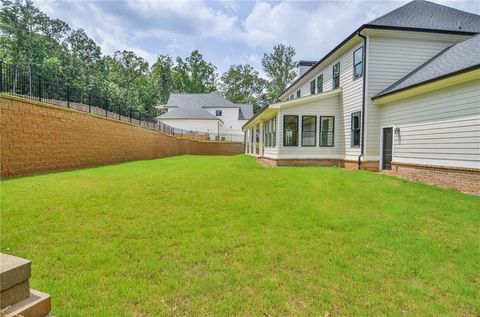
[[457, 58], [188, 113], [418, 15], [421, 14], [213, 99], [246, 111], [191, 106]]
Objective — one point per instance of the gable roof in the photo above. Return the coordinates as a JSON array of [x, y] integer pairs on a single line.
[[460, 57], [213, 99], [421, 14], [188, 113], [191, 106], [417, 15]]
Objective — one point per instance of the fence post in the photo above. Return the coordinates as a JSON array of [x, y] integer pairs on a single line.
[[39, 87], [1, 76], [89, 102], [119, 115], [106, 107], [68, 96], [130, 115]]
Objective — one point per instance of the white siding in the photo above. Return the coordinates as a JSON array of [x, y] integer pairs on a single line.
[[437, 128], [351, 100], [327, 107], [391, 56]]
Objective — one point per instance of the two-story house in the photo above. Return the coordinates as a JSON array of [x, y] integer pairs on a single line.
[[210, 113], [401, 93]]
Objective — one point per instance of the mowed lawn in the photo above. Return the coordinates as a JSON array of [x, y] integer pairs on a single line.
[[202, 236]]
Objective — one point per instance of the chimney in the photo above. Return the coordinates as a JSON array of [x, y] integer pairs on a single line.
[[303, 67]]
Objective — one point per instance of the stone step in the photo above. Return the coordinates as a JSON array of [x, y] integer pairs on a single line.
[[13, 271], [38, 304], [14, 294]]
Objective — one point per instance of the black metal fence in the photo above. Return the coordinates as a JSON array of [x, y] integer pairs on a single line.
[[27, 83]]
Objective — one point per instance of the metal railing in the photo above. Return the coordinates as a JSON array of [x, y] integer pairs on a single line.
[[29, 84]]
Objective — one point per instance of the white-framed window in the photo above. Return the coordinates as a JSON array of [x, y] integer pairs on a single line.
[[299, 93], [218, 113], [312, 87], [320, 84], [336, 75]]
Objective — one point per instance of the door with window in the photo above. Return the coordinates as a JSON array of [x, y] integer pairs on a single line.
[[387, 148]]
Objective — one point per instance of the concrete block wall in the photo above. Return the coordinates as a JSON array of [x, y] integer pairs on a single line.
[[37, 137]]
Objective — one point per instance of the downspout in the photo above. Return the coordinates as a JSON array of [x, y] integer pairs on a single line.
[[364, 81]]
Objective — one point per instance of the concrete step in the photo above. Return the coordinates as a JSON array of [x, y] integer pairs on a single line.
[[13, 271], [38, 304], [14, 294]]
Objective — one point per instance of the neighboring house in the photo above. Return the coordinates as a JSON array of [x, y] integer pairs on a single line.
[[210, 113], [402, 92]]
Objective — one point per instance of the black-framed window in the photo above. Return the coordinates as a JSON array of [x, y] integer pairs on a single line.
[[309, 130], [320, 84], [290, 130], [355, 129], [299, 93], [312, 87], [358, 63], [291, 96], [336, 75], [327, 131], [218, 113]]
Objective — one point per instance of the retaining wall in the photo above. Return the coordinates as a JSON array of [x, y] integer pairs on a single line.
[[38, 137]]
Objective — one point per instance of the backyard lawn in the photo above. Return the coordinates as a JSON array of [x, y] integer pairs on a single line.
[[198, 235]]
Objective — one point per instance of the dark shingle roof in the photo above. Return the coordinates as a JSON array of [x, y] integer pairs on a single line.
[[246, 111], [423, 14], [462, 56], [188, 113], [212, 99], [191, 106]]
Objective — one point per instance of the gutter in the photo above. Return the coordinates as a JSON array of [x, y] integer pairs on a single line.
[[364, 81]]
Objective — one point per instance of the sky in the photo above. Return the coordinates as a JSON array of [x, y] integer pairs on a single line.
[[226, 32]]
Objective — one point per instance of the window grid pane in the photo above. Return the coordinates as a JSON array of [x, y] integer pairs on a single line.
[[309, 130], [290, 130]]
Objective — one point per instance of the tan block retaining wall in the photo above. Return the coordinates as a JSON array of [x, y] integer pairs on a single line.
[[37, 137]]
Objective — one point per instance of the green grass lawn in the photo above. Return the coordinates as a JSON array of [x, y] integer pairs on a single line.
[[198, 235]]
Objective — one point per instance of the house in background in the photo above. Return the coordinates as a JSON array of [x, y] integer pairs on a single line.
[[401, 93], [210, 113]]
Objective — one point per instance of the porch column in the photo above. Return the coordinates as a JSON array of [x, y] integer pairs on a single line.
[[261, 145], [254, 139]]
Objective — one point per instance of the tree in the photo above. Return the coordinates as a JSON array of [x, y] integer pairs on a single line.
[[194, 75], [128, 67], [161, 75], [280, 69], [242, 84]]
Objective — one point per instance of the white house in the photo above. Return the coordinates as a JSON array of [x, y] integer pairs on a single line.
[[210, 113], [401, 93]]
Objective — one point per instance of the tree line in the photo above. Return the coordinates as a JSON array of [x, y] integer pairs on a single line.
[[40, 44]]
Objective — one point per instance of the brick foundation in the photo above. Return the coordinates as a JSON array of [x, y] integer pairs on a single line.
[[368, 165], [462, 179], [37, 137]]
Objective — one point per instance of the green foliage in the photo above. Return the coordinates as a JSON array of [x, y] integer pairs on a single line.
[[32, 40], [224, 236], [243, 84], [280, 69]]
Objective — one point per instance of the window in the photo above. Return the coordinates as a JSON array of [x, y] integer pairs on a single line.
[[291, 96], [312, 87], [355, 129], [218, 113], [265, 133], [336, 75], [358, 63], [309, 130], [290, 130], [319, 84], [270, 134], [298, 93], [274, 131], [327, 128]]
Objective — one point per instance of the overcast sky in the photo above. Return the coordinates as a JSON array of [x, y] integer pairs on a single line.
[[226, 32]]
